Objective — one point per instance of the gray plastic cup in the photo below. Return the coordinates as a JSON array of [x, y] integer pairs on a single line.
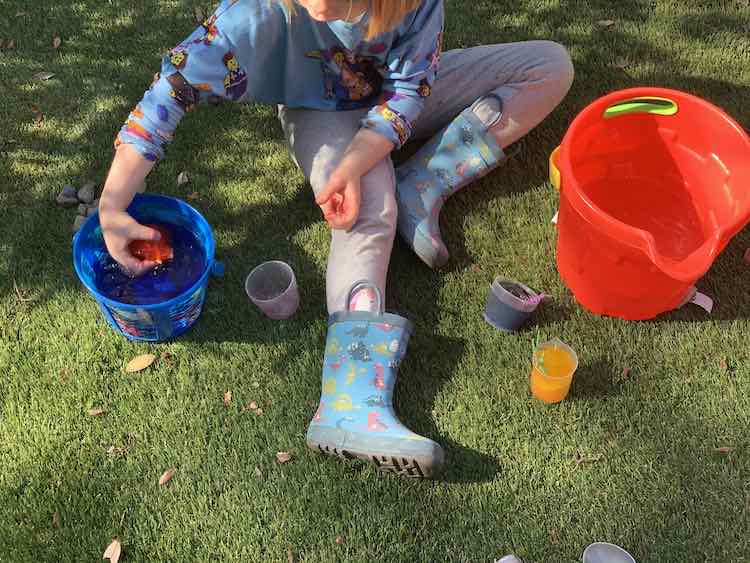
[[273, 288], [510, 304]]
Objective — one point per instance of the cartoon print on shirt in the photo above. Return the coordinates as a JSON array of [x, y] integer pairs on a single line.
[[352, 80]]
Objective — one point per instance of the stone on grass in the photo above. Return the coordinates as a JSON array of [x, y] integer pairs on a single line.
[[87, 193], [67, 197]]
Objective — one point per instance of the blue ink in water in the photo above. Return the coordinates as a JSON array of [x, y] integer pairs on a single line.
[[164, 282]]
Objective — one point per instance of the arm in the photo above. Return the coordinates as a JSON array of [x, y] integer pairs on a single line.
[[129, 170], [340, 199], [411, 70], [201, 67]]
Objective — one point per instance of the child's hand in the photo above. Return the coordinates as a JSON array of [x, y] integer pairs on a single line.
[[340, 199], [119, 230]]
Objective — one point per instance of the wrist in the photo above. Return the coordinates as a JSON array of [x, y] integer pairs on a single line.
[[351, 165]]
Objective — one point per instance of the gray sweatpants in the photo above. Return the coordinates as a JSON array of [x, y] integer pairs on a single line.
[[530, 77]]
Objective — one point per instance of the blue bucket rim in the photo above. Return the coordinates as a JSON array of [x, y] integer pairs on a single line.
[[210, 250]]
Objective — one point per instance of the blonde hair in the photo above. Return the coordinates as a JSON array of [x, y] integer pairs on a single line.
[[384, 15]]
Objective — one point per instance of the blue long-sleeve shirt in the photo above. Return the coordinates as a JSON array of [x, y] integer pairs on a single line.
[[253, 50]]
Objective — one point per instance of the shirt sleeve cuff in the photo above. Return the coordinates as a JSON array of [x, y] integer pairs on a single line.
[[389, 124]]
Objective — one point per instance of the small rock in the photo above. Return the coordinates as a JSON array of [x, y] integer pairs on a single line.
[[87, 193], [80, 220], [67, 197]]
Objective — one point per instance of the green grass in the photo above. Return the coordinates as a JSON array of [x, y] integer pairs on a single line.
[[511, 485]]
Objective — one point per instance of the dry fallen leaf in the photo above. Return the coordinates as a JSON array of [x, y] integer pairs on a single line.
[[621, 64], [258, 473], [193, 195], [56, 42], [553, 536], [21, 14], [56, 521], [747, 256], [182, 178], [95, 412], [199, 15], [139, 363], [42, 76], [283, 457], [605, 24], [625, 374], [340, 540], [724, 450], [253, 406], [113, 551], [10, 44], [723, 364], [476, 268], [21, 297], [259, 412], [227, 398], [166, 477], [166, 356], [580, 460], [38, 115], [290, 555]]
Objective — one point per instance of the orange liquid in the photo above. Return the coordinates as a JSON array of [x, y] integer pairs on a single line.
[[553, 383]]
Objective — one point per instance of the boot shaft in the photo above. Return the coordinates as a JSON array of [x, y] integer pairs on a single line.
[[363, 352]]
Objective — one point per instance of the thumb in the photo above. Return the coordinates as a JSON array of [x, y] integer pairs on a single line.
[[142, 232], [327, 193]]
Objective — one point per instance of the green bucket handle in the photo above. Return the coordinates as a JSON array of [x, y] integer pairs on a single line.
[[643, 104]]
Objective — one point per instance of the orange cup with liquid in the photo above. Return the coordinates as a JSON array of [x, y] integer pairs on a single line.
[[553, 366]]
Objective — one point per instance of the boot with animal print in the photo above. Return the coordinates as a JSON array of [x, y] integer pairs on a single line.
[[457, 155], [355, 418]]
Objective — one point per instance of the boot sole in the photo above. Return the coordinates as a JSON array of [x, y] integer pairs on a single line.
[[410, 467]]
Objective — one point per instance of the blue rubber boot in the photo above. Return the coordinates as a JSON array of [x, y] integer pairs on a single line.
[[355, 418], [457, 155]]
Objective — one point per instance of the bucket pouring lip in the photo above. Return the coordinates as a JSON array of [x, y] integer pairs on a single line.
[[697, 263], [209, 246]]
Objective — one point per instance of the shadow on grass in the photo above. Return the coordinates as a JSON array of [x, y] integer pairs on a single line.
[[35, 245], [594, 380]]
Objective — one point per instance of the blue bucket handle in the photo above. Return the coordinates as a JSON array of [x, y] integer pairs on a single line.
[[217, 269]]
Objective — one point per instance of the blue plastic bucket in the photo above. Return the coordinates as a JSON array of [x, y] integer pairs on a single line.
[[159, 321]]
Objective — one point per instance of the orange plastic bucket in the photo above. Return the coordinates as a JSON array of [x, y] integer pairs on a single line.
[[653, 185]]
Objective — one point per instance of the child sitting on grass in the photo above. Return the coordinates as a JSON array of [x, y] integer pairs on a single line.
[[354, 80]]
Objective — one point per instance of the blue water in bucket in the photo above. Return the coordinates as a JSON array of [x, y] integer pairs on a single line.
[[179, 289], [164, 282]]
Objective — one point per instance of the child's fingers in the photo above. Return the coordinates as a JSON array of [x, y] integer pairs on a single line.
[[132, 264], [142, 232], [329, 191], [351, 206]]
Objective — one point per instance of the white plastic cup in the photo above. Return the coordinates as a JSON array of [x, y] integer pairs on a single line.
[[601, 552], [272, 286]]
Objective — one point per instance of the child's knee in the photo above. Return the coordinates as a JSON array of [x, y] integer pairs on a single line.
[[559, 66]]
